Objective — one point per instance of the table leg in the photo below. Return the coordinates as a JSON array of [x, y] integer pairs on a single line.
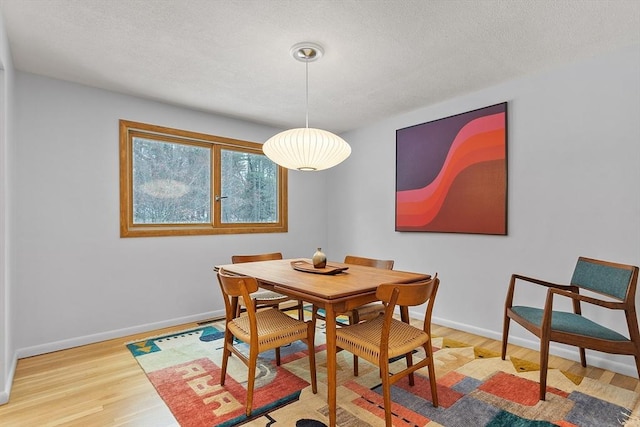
[[330, 319]]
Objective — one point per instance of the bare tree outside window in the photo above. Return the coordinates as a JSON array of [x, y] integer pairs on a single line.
[[249, 185], [171, 183]]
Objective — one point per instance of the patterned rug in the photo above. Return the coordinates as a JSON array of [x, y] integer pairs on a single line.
[[475, 388]]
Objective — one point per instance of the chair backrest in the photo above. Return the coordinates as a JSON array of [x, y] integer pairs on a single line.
[[369, 262], [238, 259], [409, 295], [608, 278], [234, 286]]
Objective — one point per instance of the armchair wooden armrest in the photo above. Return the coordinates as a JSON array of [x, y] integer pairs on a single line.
[[541, 282], [516, 277], [590, 300]]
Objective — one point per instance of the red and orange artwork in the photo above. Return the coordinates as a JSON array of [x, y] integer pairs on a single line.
[[451, 174]]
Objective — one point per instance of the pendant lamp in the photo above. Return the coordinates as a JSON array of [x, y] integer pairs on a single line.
[[306, 149]]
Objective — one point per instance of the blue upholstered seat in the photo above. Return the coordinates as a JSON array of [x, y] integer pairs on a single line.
[[569, 322]]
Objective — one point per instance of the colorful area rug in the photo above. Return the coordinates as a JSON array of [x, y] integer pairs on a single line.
[[475, 388]]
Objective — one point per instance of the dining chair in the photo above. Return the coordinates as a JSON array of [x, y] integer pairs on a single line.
[[384, 337], [373, 309], [366, 311], [263, 297], [607, 285], [262, 330]]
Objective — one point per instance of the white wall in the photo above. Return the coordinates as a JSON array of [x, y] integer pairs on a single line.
[[7, 359], [76, 280], [574, 189]]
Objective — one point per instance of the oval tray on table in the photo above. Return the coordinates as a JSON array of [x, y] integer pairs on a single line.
[[307, 267]]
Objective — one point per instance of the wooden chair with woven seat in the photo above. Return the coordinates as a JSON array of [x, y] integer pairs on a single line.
[[263, 330], [382, 338], [366, 311], [263, 297], [616, 282], [374, 309]]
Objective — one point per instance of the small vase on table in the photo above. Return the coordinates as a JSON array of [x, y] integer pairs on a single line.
[[319, 259]]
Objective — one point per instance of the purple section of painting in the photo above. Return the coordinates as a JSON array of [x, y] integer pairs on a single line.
[[422, 149]]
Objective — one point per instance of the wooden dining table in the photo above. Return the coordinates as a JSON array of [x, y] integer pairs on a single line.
[[337, 293]]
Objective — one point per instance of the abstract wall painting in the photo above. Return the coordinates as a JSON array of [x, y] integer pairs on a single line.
[[451, 174]]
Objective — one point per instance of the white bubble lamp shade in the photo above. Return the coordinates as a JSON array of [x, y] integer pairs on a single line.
[[306, 149]]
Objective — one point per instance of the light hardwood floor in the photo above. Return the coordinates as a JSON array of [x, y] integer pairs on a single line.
[[102, 385]]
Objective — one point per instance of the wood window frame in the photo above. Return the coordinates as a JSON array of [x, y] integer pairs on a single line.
[[130, 129]]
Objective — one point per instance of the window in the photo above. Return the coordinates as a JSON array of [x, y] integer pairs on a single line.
[[175, 182]]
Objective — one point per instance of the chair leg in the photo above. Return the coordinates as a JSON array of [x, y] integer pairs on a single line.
[[277, 356], [544, 365], [409, 357], [301, 310], [432, 374], [251, 379], [505, 335], [226, 352], [311, 333], [583, 358], [313, 321], [404, 314], [354, 319], [386, 392]]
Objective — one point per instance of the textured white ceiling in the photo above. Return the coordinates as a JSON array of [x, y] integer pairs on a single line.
[[381, 57]]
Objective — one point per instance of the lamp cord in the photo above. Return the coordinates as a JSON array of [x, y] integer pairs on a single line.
[[306, 67]]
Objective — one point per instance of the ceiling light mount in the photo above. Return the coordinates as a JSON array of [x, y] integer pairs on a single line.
[[307, 52]]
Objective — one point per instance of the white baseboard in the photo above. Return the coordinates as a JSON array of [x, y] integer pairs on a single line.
[[103, 336]]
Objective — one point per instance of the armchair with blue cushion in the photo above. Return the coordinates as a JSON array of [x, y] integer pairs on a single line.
[[615, 282]]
